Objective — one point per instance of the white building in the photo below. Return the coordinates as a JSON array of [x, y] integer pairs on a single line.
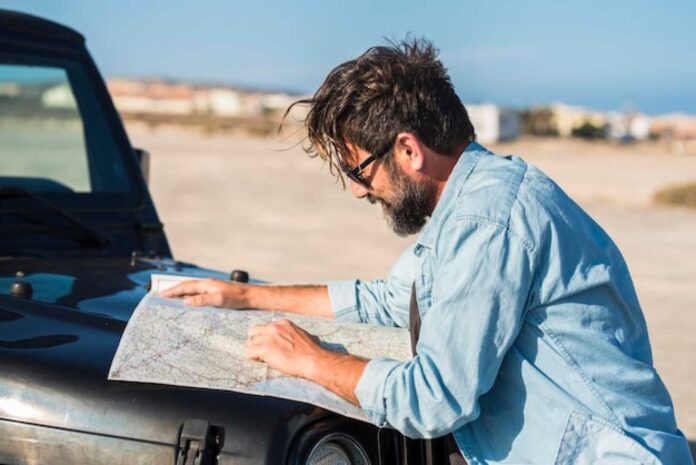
[[60, 96], [492, 123], [225, 102], [277, 101], [628, 127]]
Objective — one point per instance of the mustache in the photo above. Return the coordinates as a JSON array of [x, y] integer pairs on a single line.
[[373, 200]]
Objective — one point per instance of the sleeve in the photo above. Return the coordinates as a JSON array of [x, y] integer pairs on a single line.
[[480, 291], [377, 302]]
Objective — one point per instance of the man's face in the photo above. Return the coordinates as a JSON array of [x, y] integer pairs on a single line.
[[407, 203]]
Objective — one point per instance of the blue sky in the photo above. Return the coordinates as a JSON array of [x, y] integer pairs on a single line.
[[600, 54]]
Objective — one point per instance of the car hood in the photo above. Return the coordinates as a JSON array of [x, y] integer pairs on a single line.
[[109, 287], [56, 349]]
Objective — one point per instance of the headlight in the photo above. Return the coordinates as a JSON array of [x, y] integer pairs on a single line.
[[337, 449]]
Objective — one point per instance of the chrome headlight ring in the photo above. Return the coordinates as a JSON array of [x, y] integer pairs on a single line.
[[337, 449]]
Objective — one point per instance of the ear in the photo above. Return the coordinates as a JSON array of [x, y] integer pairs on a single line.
[[410, 150]]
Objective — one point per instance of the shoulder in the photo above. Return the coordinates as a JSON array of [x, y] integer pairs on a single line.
[[488, 196], [509, 195], [491, 188]]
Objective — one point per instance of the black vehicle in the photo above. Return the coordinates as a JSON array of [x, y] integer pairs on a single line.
[[79, 238]]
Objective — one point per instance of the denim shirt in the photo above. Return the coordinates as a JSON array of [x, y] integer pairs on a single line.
[[533, 348]]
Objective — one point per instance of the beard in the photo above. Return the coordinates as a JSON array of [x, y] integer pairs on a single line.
[[409, 206]]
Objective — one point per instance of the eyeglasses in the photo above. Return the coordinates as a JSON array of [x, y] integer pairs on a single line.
[[355, 174]]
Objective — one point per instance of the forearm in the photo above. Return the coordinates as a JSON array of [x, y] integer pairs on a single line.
[[310, 300], [305, 300], [339, 373]]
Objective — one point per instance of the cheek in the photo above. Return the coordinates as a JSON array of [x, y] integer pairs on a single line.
[[383, 187]]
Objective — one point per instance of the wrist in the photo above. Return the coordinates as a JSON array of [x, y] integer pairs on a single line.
[[247, 296], [339, 373], [319, 364]]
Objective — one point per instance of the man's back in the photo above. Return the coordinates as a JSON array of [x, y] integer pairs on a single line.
[[582, 354]]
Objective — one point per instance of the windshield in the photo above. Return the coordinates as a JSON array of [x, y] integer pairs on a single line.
[[54, 137]]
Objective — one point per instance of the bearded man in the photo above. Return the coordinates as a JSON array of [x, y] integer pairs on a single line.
[[530, 344]]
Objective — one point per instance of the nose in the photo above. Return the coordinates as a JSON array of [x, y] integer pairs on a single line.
[[357, 190]]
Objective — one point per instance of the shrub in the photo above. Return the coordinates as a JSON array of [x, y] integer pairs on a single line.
[[684, 195], [589, 131]]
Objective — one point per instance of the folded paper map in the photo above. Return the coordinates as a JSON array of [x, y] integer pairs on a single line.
[[166, 342]]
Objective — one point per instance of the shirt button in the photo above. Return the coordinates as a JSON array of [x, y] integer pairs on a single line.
[[418, 250]]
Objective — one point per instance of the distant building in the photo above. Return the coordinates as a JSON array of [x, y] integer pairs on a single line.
[[277, 101], [679, 126], [566, 118], [160, 97], [151, 97], [492, 123], [510, 124], [59, 96], [224, 102], [628, 127], [10, 89]]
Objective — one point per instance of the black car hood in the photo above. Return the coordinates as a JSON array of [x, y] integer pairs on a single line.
[[56, 350], [111, 287]]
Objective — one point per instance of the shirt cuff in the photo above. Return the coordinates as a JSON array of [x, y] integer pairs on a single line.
[[344, 300], [370, 389]]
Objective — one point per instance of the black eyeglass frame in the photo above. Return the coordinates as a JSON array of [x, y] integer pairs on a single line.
[[355, 174]]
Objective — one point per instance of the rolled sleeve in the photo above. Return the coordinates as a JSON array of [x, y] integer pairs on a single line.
[[370, 389], [344, 299]]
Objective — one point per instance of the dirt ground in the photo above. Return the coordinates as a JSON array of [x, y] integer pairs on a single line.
[[261, 205]]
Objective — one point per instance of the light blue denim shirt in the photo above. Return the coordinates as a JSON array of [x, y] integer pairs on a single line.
[[533, 348]]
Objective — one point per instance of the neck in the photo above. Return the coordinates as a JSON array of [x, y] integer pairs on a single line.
[[446, 165]]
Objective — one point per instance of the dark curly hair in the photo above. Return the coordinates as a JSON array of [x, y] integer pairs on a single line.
[[367, 101]]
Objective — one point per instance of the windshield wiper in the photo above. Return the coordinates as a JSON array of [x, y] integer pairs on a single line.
[[88, 232]]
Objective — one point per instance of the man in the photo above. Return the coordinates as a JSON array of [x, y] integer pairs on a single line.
[[532, 346]]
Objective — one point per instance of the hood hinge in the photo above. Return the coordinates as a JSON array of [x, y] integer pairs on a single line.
[[198, 443]]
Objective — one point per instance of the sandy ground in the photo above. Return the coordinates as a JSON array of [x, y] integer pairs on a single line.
[[263, 206]]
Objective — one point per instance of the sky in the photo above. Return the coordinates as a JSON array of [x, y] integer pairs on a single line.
[[603, 54]]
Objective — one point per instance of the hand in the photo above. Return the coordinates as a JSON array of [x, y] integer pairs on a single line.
[[286, 347], [213, 292]]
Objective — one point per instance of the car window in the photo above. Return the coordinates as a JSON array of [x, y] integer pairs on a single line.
[[42, 143], [54, 138]]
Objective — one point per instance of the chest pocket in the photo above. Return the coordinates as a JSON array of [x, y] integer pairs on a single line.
[[591, 441]]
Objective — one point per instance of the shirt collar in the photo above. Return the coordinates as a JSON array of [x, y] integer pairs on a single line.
[[461, 171]]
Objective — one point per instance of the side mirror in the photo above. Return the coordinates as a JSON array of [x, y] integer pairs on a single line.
[[143, 157]]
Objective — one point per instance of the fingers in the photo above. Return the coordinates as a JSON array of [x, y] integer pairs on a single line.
[[254, 347], [257, 341], [273, 328], [264, 338], [283, 346], [202, 300], [282, 334], [190, 287], [264, 333], [256, 330]]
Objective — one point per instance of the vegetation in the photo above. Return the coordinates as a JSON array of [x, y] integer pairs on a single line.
[[589, 131], [539, 121], [684, 195]]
